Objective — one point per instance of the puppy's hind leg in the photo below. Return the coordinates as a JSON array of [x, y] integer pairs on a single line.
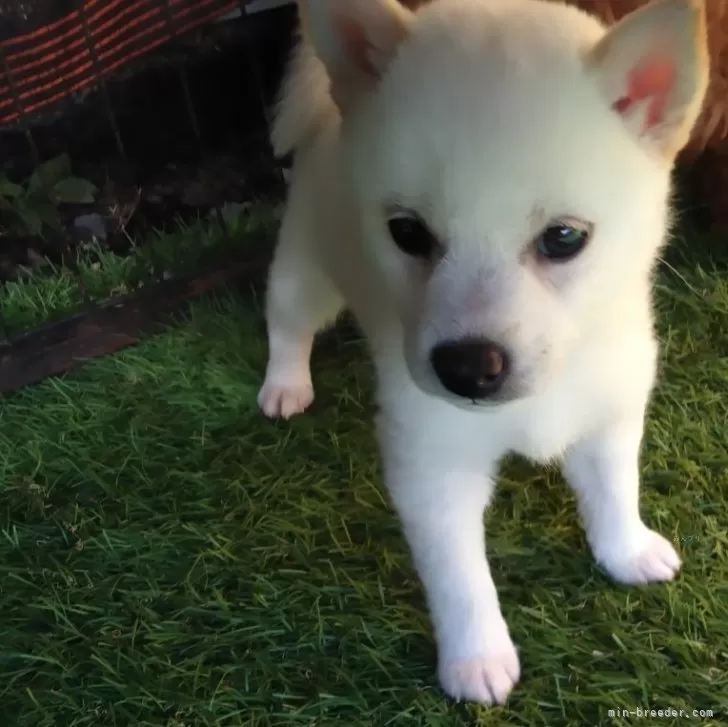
[[300, 301]]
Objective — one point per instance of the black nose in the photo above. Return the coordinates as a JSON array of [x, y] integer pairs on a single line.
[[471, 368]]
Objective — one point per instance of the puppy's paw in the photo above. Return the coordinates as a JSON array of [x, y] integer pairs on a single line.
[[285, 399], [651, 560], [487, 678]]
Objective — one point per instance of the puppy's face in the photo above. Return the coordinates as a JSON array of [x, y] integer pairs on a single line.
[[503, 223], [512, 166]]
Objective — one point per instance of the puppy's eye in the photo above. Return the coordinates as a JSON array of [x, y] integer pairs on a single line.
[[562, 241], [411, 235]]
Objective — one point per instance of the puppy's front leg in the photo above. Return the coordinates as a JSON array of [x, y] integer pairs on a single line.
[[440, 496], [603, 470], [300, 301]]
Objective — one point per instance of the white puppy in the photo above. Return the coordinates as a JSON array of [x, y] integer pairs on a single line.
[[486, 185]]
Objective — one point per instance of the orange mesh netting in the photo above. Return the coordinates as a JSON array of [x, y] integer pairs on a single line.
[[42, 65]]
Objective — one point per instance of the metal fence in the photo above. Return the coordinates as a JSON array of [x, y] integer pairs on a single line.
[[69, 74]]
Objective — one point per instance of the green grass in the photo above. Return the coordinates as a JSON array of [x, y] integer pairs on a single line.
[[35, 298], [167, 557]]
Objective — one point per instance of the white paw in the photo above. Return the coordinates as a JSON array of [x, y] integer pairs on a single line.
[[486, 679], [652, 559], [285, 398]]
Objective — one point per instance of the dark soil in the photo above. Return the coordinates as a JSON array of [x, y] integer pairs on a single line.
[[159, 152]]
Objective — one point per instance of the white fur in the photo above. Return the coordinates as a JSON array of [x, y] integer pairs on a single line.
[[490, 119]]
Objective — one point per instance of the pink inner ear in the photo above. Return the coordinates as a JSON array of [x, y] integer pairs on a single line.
[[653, 79], [356, 43]]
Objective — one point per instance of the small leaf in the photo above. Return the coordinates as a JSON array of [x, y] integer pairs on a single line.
[[48, 214], [48, 174], [31, 219], [37, 215], [74, 190], [9, 189]]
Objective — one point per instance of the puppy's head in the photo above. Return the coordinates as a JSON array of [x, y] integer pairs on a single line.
[[511, 162]]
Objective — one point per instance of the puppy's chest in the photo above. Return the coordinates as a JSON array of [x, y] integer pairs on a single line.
[[544, 429], [601, 385]]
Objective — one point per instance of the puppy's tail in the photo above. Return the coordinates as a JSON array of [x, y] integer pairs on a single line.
[[304, 105]]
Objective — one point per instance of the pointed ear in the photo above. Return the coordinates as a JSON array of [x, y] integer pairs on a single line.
[[653, 67], [355, 40]]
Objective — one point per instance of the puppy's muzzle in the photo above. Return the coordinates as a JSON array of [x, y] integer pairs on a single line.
[[474, 369]]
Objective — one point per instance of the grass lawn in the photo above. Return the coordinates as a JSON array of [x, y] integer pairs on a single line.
[[167, 557]]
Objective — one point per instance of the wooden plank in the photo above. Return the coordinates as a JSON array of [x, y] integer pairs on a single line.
[[62, 346]]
